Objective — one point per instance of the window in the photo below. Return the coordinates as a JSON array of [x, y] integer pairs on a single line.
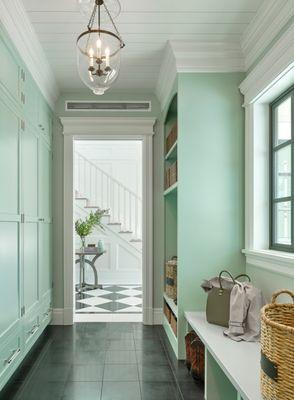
[[282, 172]]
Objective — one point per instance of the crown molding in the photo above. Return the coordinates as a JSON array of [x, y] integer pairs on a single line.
[[108, 125], [269, 20], [192, 57], [166, 77], [17, 24], [276, 65]]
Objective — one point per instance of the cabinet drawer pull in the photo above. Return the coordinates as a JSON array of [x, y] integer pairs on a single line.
[[34, 329], [15, 353], [41, 219]]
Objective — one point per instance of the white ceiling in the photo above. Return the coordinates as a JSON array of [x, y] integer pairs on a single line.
[[145, 26]]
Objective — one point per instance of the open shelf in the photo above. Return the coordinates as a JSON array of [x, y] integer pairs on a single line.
[[173, 152], [173, 188], [172, 304], [170, 334]]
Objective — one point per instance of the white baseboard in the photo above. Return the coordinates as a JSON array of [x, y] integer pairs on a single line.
[[57, 316], [157, 316], [64, 316]]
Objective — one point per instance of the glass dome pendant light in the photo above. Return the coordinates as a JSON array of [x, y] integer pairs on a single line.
[[98, 52]]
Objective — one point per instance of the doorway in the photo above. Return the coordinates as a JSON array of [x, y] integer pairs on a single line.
[[108, 128], [108, 265]]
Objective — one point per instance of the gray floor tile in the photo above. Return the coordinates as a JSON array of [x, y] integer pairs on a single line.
[[159, 391], [89, 357], [120, 357], [86, 373], [155, 373], [41, 391], [120, 373], [52, 373], [114, 344], [121, 391], [151, 358], [82, 391]]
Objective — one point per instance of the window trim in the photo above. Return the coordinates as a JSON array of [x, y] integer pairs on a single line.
[[289, 93]]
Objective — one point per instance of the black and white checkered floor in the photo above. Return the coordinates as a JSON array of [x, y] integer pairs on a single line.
[[124, 299]]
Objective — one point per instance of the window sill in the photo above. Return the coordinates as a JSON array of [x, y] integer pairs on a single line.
[[271, 260]]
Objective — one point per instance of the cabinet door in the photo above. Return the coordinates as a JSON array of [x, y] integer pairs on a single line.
[[9, 70], [29, 96], [9, 163], [45, 176], [9, 272], [29, 172], [45, 259], [30, 265]]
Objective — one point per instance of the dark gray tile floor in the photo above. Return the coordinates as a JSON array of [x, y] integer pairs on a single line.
[[102, 361]]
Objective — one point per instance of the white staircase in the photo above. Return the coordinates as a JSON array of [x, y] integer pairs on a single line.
[[94, 188]]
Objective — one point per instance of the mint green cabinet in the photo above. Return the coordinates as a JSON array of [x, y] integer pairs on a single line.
[[45, 259], [28, 96], [9, 160], [45, 175], [29, 172], [10, 273], [30, 265], [9, 69], [25, 211]]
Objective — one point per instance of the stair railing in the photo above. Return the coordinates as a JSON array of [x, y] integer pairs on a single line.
[[104, 191]]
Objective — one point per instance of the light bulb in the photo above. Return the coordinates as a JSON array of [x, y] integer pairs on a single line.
[[99, 45], [91, 55], [107, 54]]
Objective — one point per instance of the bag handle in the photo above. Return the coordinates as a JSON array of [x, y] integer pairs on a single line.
[[243, 275], [283, 291], [220, 278]]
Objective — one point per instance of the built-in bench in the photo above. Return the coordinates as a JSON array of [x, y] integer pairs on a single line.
[[232, 369]]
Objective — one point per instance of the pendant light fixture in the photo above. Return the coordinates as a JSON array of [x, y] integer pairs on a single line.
[[98, 51]]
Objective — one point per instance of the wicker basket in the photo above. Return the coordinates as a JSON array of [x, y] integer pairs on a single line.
[[171, 281], [277, 349]]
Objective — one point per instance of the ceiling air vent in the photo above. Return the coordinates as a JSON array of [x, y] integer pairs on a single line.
[[108, 106]]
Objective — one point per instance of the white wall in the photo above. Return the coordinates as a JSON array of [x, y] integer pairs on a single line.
[[121, 159]]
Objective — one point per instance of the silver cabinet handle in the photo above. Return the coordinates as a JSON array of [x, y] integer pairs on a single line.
[[41, 219], [15, 353], [34, 329]]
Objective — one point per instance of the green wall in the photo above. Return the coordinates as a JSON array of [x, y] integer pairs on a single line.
[[58, 176], [211, 180]]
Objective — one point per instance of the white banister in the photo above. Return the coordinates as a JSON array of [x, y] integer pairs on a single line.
[[103, 190]]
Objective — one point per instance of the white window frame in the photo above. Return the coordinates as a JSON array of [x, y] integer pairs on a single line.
[[270, 78], [75, 128]]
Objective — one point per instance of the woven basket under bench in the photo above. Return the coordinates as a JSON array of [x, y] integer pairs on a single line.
[[171, 278], [277, 349]]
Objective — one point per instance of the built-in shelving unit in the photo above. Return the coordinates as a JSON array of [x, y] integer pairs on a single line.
[[171, 303], [173, 152], [170, 317], [173, 188]]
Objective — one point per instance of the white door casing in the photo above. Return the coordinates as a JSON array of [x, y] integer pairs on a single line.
[[105, 128]]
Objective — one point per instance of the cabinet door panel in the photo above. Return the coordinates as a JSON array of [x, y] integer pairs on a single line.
[[44, 258], [30, 264], [9, 272], [29, 150], [9, 70], [8, 160], [45, 159]]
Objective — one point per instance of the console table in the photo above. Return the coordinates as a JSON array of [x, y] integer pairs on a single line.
[[232, 369], [82, 260]]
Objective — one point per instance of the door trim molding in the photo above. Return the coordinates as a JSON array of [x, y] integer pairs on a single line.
[[75, 128]]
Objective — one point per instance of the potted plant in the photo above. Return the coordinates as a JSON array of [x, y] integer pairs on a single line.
[[85, 227]]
